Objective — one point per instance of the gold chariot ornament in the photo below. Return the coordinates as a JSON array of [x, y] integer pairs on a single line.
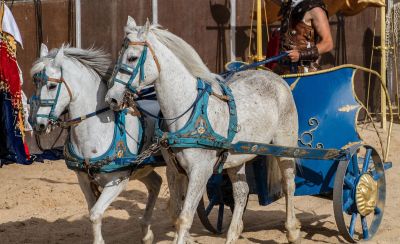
[[366, 194]]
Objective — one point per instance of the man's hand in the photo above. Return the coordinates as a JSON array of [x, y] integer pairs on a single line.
[[294, 55]]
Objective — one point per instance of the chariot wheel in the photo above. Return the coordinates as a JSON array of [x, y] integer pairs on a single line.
[[216, 207], [359, 194]]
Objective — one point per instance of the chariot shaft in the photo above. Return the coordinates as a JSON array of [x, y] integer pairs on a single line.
[[291, 152]]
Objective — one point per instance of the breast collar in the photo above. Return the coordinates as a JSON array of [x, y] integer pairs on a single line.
[[118, 156], [198, 132]]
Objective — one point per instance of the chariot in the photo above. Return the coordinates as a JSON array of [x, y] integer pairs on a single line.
[[332, 160]]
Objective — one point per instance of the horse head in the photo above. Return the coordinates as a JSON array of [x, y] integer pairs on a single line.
[[53, 94], [137, 65]]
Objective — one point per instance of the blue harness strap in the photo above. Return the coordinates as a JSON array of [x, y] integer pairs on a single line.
[[198, 132], [117, 157]]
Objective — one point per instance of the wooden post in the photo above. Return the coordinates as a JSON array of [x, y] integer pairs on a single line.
[[383, 66], [78, 32], [154, 7], [233, 30]]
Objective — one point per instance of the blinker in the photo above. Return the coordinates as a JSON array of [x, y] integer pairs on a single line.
[[41, 79], [133, 72]]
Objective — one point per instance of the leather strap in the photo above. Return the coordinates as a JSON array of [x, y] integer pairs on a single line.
[[61, 80], [151, 51], [309, 54]]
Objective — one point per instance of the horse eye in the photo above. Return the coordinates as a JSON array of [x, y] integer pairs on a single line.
[[132, 59], [52, 86]]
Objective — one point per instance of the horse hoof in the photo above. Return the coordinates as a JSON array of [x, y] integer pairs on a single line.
[[187, 240], [149, 238], [234, 233], [294, 237]]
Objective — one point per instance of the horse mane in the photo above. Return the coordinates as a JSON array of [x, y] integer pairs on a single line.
[[92, 58], [185, 53]]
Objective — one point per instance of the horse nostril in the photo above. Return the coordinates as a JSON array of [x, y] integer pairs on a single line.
[[42, 127], [113, 101]]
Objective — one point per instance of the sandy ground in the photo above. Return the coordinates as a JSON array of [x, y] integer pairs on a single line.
[[42, 203]]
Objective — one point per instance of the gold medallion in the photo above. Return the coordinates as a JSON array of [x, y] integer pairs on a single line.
[[366, 194]]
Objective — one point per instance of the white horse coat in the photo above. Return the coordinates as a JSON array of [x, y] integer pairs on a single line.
[[266, 113], [83, 92]]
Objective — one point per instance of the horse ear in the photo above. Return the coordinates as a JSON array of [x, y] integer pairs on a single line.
[[43, 50], [58, 60], [131, 23], [145, 30]]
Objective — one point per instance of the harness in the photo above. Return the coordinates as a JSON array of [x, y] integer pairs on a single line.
[[139, 68], [40, 79], [117, 157], [198, 132]]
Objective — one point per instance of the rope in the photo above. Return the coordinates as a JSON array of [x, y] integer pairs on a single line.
[[38, 143], [251, 30], [385, 153], [58, 137], [376, 129], [371, 60], [266, 20]]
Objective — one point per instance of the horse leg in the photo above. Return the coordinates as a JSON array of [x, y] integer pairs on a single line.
[[198, 175], [240, 192], [110, 192], [84, 183], [177, 184], [153, 183], [287, 166]]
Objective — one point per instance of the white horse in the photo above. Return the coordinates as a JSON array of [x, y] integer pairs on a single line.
[[79, 73], [266, 113]]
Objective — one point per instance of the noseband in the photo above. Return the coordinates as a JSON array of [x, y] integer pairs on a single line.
[[138, 69]]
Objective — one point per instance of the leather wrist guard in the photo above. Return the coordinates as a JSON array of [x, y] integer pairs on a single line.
[[309, 54]]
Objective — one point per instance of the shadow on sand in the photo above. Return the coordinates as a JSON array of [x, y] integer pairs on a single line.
[[77, 229]]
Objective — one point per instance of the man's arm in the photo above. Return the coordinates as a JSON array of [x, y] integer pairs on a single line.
[[320, 23], [319, 20]]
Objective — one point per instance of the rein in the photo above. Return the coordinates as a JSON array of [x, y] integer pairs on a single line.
[[199, 96], [75, 121], [139, 69]]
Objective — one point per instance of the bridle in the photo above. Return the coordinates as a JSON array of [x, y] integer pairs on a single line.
[[41, 79], [138, 69]]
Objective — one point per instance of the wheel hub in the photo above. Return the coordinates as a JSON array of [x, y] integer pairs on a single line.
[[366, 194]]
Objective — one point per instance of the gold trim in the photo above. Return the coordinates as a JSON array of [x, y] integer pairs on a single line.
[[331, 70]]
